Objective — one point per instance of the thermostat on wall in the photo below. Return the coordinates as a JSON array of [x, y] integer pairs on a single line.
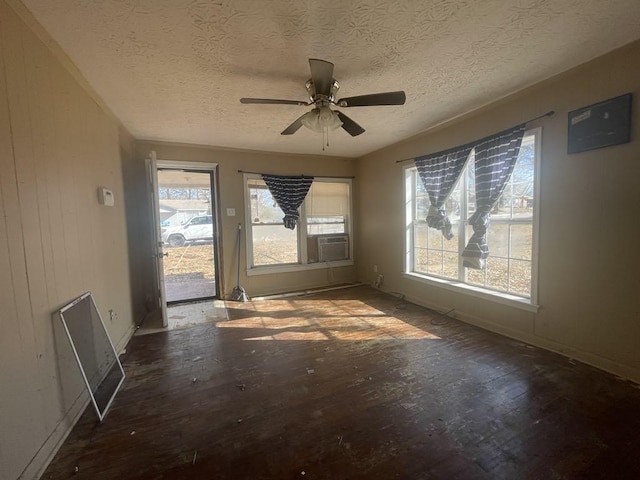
[[105, 197]]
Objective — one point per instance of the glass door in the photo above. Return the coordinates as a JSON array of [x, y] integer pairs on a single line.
[[188, 231]]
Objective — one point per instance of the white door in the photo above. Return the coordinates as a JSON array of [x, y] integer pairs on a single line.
[[158, 247]]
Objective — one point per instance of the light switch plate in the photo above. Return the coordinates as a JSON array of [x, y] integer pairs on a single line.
[[231, 212], [105, 197]]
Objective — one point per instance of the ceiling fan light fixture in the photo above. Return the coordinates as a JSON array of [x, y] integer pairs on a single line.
[[322, 89], [320, 119]]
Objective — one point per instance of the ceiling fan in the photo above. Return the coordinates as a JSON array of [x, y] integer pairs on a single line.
[[322, 89]]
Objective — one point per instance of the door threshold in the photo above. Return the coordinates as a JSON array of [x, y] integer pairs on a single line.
[[186, 315]]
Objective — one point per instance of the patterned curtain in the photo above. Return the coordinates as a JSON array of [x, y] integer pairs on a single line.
[[495, 158], [289, 193], [439, 173]]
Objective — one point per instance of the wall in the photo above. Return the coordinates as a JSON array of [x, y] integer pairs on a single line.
[[139, 225], [57, 146], [589, 222], [231, 195]]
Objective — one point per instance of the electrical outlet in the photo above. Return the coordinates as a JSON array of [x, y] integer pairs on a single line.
[[375, 269]]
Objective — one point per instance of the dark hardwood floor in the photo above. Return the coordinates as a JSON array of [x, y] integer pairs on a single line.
[[353, 384]]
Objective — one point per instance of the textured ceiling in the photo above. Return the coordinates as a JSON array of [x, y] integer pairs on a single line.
[[174, 70]]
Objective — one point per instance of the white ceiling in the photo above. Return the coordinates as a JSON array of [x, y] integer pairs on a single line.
[[174, 70]]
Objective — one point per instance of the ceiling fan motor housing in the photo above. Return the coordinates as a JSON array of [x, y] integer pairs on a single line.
[[322, 89], [319, 99]]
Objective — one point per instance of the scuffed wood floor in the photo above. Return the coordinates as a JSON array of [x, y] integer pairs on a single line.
[[353, 384]]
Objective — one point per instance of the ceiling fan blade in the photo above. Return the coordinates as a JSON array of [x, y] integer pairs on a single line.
[[271, 101], [294, 127], [387, 98], [322, 76], [349, 125]]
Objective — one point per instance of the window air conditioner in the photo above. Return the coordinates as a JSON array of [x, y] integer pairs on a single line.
[[333, 248]]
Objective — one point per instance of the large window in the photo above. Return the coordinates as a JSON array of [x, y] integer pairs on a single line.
[[322, 235], [510, 268]]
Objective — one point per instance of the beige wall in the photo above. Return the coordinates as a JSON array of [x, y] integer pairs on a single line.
[[57, 146], [139, 225], [231, 196], [589, 261]]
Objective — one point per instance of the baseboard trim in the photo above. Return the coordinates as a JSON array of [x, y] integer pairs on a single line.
[[45, 454], [126, 338], [621, 371], [52, 444], [309, 291]]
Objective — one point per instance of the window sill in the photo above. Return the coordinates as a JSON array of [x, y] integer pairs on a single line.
[[271, 269], [479, 292]]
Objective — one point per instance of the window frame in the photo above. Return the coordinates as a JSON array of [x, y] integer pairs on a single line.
[[526, 303], [301, 233]]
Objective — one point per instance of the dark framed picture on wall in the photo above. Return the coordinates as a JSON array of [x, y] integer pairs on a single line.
[[600, 125]]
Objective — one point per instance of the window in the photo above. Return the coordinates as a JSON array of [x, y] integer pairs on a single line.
[[272, 244], [201, 220], [321, 236], [327, 208], [510, 269]]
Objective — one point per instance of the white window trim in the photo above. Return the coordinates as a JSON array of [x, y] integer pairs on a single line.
[[300, 227], [474, 291], [529, 304]]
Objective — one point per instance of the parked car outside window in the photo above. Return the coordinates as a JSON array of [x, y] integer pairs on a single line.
[[198, 229]]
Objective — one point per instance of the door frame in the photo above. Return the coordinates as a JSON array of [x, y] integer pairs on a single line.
[[156, 243], [202, 167]]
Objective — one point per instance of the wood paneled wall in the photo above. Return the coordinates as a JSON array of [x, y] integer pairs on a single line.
[[57, 146]]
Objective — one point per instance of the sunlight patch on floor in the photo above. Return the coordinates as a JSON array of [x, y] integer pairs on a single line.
[[307, 336], [324, 320]]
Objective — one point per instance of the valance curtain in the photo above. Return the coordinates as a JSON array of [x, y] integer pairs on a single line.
[[289, 193], [439, 173], [495, 158]]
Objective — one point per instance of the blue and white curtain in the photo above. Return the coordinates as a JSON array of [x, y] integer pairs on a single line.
[[495, 158], [439, 173], [289, 193]]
